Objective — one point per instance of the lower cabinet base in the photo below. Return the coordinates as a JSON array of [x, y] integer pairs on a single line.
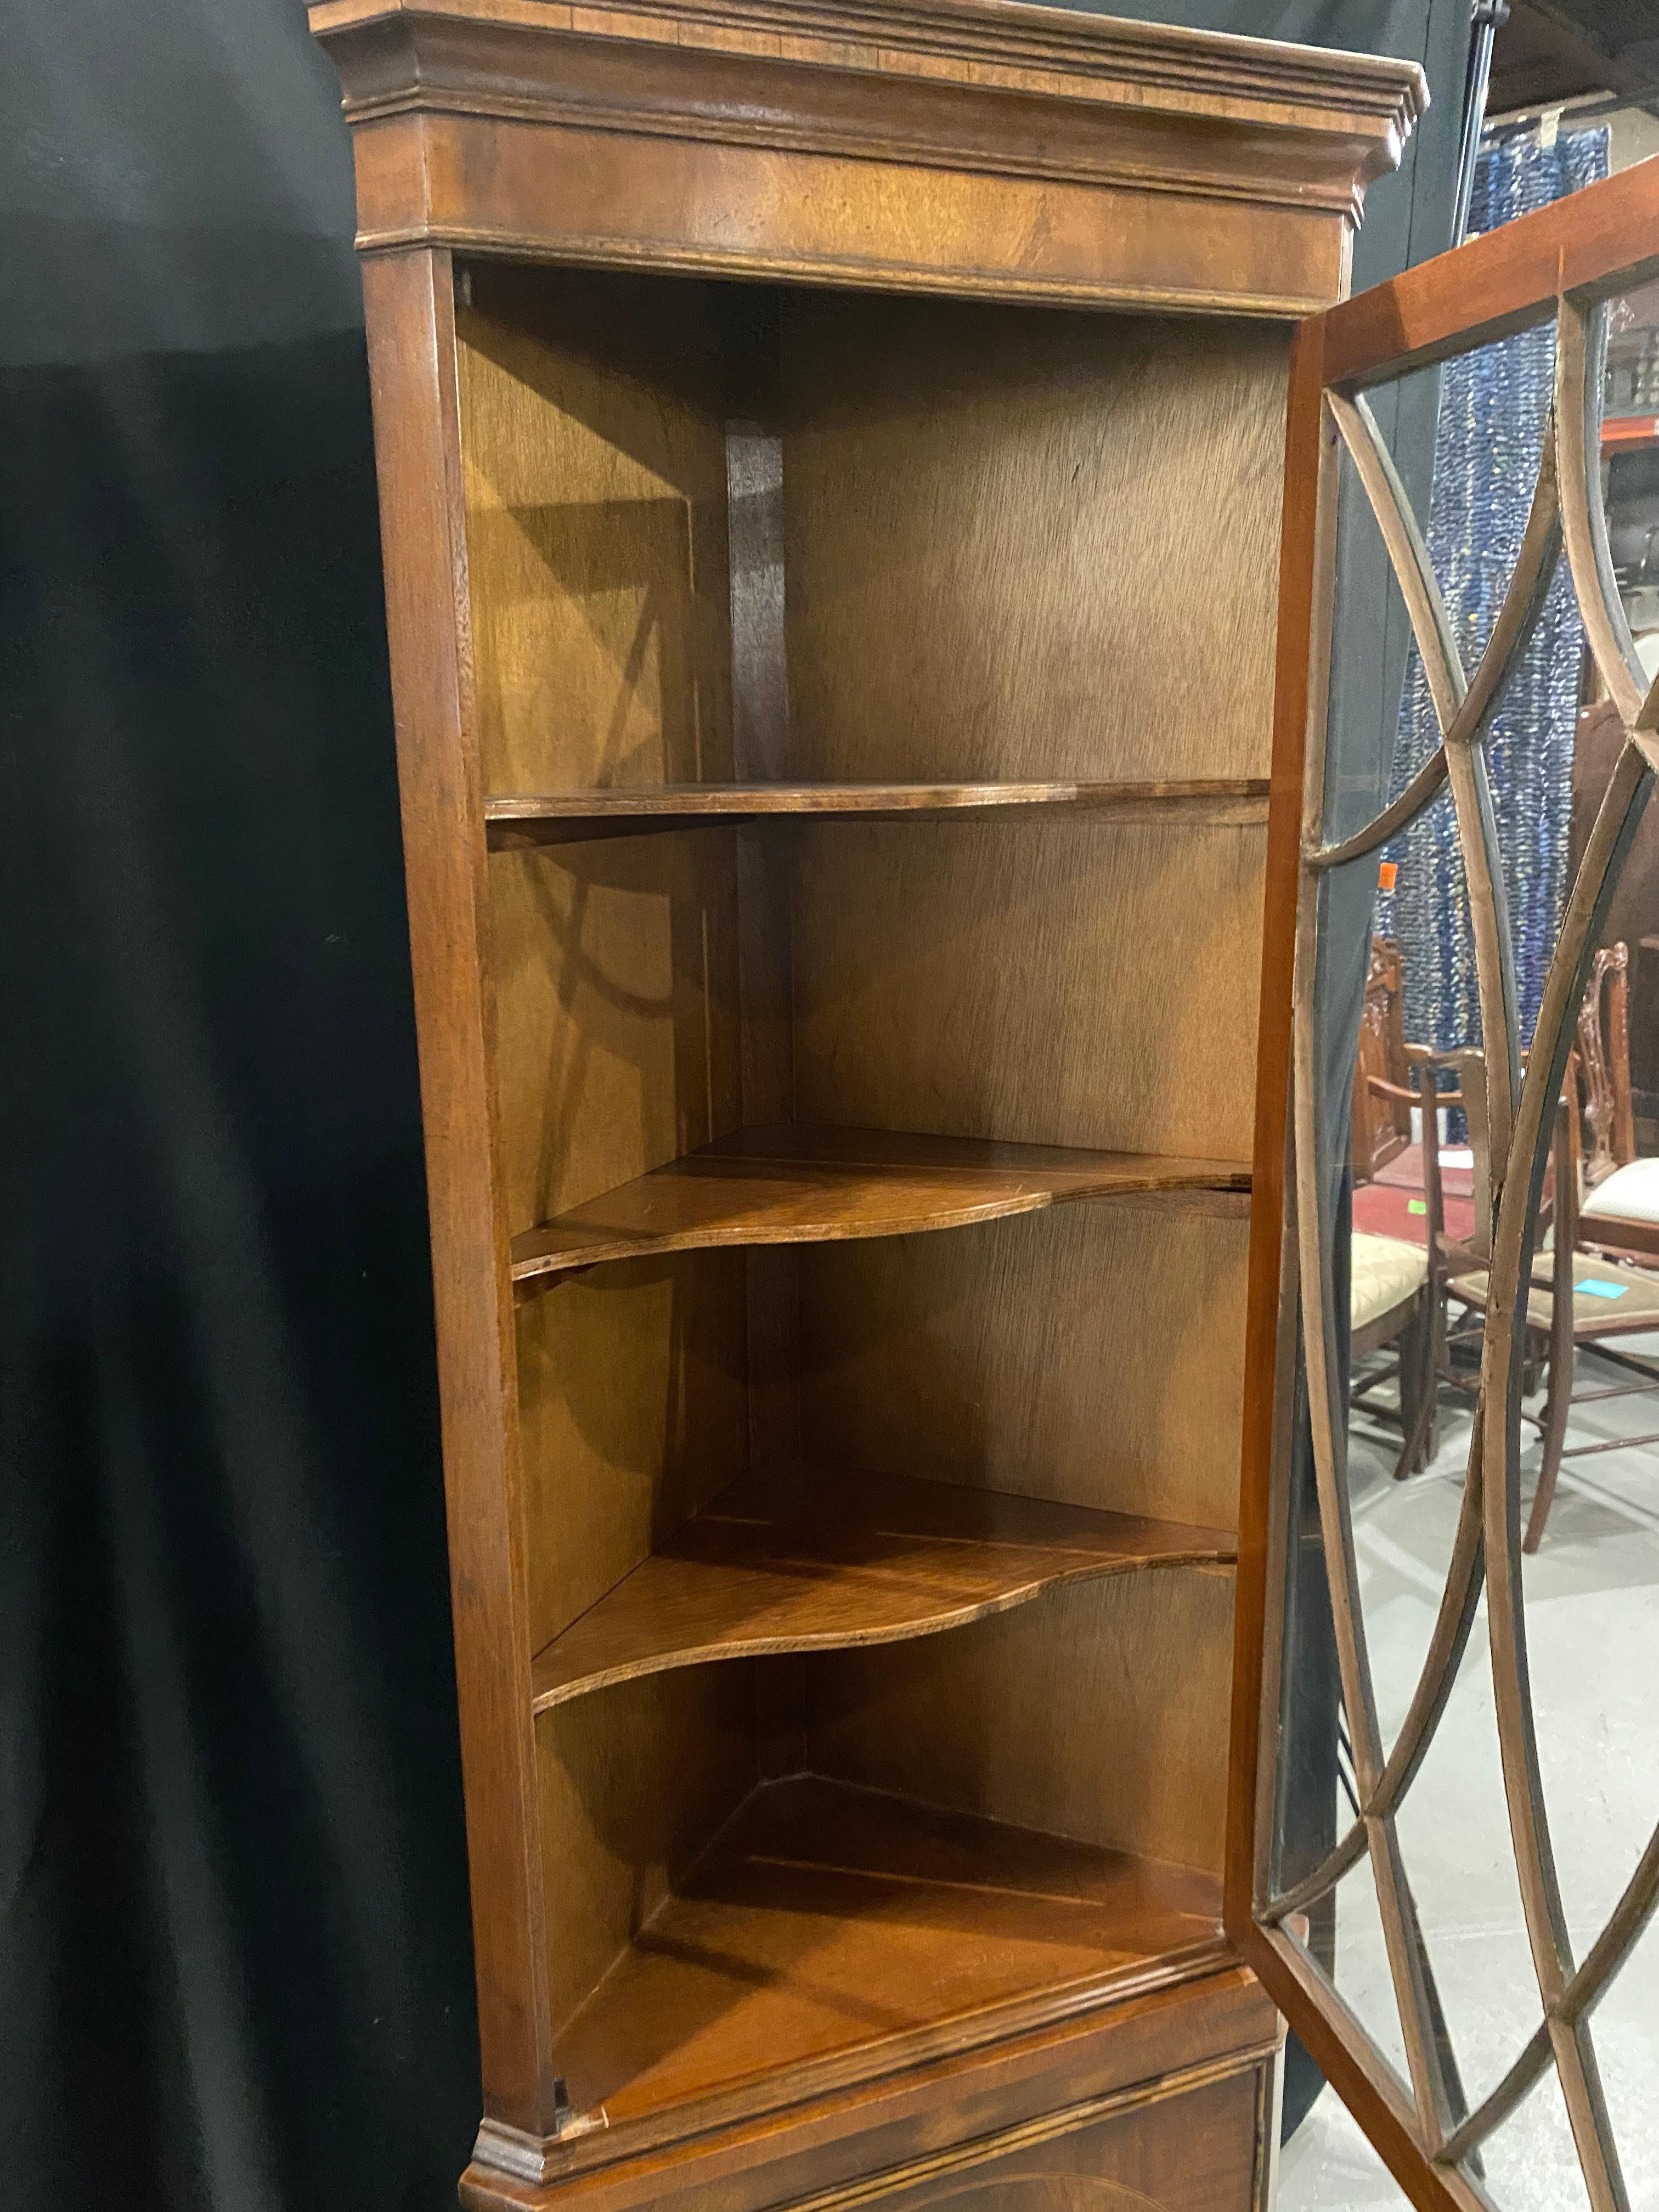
[[1167, 2101]]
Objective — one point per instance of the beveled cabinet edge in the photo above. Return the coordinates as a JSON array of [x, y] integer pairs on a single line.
[[411, 353], [983, 46], [1271, 1308], [1125, 2055], [1014, 151]]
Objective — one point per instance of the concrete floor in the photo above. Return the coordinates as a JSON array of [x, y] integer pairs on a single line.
[[1593, 1626]]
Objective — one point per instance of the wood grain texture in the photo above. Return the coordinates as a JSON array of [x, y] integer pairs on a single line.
[[865, 1559], [564, 816], [1092, 1354], [668, 555], [802, 1182], [1307, 569], [592, 417], [1100, 1714], [989, 523], [1131, 2052], [1014, 48], [592, 414], [634, 1413], [633, 1786], [417, 431], [521, 188], [826, 1920], [618, 996], [1030, 980], [1590, 244], [1185, 2145], [991, 148]]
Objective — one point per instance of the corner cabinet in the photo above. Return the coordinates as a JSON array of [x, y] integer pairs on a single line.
[[835, 703]]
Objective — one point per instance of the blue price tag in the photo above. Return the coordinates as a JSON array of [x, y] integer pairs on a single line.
[[1593, 1287]]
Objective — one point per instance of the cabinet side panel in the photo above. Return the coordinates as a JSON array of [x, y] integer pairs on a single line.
[[596, 494], [1066, 982], [417, 431], [634, 1414], [1026, 544], [1099, 1712], [634, 1782], [1093, 1354], [618, 1007], [594, 407]]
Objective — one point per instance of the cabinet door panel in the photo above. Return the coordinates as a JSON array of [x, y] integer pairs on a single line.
[[1445, 1838], [1198, 2151]]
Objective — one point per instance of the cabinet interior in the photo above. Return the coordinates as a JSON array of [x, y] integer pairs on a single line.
[[873, 699]]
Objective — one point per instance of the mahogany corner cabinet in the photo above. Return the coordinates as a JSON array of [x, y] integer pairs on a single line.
[[832, 458]]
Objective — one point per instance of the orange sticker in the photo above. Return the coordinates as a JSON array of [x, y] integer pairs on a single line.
[[1386, 875]]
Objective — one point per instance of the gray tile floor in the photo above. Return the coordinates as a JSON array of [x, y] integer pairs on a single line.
[[1593, 1626]]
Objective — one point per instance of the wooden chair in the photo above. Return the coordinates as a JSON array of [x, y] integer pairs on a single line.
[[1447, 1256], [1619, 1211], [1381, 1122], [1388, 1306], [1577, 1298]]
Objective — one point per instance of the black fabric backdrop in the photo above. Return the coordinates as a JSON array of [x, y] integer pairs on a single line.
[[235, 1968]]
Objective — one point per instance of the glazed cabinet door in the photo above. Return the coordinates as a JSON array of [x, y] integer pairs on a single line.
[[1443, 1856]]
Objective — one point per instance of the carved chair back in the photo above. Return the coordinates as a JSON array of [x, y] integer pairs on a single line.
[[1603, 1062], [1382, 1079]]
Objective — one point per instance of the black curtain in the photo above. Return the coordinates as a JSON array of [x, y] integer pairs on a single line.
[[235, 1954], [235, 1969]]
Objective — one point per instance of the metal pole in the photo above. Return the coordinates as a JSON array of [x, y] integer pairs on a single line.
[[1489, 15]]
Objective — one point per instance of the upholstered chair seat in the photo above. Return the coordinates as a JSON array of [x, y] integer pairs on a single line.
[[1629, 1194]]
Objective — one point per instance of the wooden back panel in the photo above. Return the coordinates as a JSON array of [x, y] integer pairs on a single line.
[[1028, 543], [1094, 1354], [993, 522], [1054, 982], [1100, 1713]]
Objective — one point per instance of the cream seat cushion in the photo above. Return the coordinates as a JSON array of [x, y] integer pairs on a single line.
[[1385, 1272], [1632, 1193]]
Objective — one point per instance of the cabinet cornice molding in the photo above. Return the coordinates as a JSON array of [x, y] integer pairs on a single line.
[[694, 132]]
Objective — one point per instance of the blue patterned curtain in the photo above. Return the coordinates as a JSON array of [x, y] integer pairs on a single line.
[[1493, 407]]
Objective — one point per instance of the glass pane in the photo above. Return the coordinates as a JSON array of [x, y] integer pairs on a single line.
[[1329, 2164], [1531, 2164], [1627, 2043], [1408, 1422], [1591, 1631], [1360, 1968], [1551, 1310], [1454, 1828], [1592, 1624]]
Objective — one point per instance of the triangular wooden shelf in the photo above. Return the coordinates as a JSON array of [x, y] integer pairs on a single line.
[[517, 818], [826, 1922], [861, 1559], [793, 1183]]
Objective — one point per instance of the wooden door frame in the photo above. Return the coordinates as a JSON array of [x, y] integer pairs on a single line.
[[1561, 260]]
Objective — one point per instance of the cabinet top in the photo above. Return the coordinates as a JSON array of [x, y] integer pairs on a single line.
[[669, 101]]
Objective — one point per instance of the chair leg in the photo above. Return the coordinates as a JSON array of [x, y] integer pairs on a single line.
[[1417, 1393], [1437, 1356], [1555, 1436]]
